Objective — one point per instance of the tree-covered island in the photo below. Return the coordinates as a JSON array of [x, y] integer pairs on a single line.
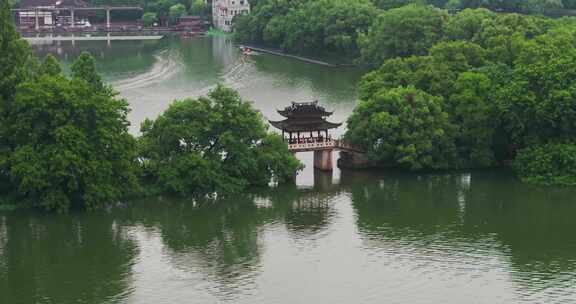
[[473, 89], [476, 84], [64, 140]]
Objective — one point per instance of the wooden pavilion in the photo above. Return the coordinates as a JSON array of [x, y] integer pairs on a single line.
[[307, 130], [305, 122]]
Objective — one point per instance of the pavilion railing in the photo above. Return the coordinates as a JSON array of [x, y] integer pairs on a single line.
[[316, 143], [310, 144]]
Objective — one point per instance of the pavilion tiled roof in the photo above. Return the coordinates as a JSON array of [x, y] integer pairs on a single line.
[[304, 117], [305, 109]]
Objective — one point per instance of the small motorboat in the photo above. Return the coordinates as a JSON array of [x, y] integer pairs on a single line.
[[246, 51]]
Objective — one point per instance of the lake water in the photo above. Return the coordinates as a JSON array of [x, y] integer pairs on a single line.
[[350, 237]]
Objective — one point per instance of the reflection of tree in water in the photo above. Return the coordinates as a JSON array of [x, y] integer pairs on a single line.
[[478, 213], [222, 240], [62, 259], [406, 203], [535, 223], [220, 237]]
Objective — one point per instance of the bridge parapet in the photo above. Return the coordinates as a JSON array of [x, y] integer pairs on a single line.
[[328, 144], [343, 145], [314, 144]]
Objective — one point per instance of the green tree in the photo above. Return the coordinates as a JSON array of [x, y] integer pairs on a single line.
[[149, 18], [459, 55], [212, 144], [402, 32], [161, 7], [434, 74], [547, 164], [84, 68], [198, 7], [16, 60], [537, 102], [250, 28], [321, 27], [475, 118], [17, 64], [176, 11], [404, 127], [50, 66], [503, 36], [467, 24], [422, 72], [71, 144]]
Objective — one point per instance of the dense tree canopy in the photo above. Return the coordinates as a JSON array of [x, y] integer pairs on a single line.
[[16, 60], [405, 31], [517, 6], [548, 164], [321, 27], [375, 30], [467, 24], [505, 81], [17, 64], [214, 143], [70, 141], [405, 127], [64, 141], [149, 18], [84, 68]]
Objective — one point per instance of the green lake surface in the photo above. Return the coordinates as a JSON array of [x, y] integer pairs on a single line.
[[346, 237]]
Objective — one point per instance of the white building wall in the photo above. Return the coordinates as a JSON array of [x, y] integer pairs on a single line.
[[223, 11]]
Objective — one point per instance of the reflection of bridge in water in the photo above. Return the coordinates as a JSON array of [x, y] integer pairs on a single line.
[[306, 130]]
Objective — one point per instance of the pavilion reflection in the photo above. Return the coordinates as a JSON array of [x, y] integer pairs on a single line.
[[64, 258], [304, 212]]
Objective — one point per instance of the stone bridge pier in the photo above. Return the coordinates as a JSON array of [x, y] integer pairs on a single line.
[[323, 160]]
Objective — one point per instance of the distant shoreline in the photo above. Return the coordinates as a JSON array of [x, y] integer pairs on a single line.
[[91, 38]]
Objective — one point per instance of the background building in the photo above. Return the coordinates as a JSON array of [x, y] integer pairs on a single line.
[[47, 12], [224, 11]]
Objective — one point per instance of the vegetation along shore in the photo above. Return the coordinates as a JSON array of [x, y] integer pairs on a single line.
[[476, 84], [471, 89]]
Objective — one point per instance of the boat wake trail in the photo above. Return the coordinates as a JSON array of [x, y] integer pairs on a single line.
[[235, 77], [165, 66]]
